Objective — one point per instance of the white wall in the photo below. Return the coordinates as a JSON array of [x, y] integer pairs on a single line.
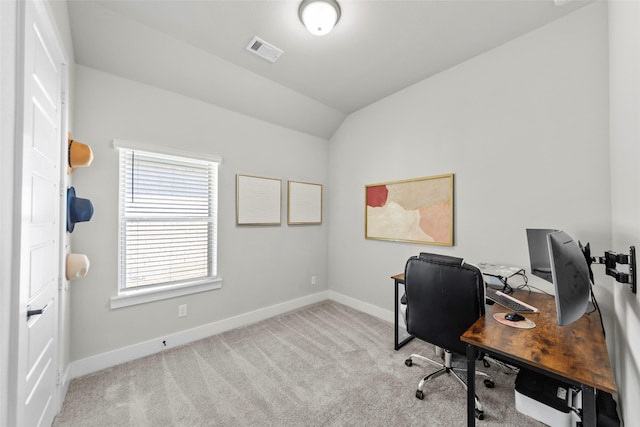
[[624, 50], [260, 266], [524, 128]]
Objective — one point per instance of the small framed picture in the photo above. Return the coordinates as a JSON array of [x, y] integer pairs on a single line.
[[304, 203], [258, 200]]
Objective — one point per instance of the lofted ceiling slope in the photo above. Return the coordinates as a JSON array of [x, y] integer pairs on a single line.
[[197, 48]]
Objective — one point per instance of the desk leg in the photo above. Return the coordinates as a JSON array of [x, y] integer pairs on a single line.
[[588, 406], [396, 344], [471, 385]]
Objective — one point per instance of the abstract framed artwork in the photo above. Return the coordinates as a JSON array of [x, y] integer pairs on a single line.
[[258, 200], [416, 210], [304, 203]]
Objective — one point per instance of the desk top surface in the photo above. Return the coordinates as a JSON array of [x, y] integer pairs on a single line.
[[577, 351]]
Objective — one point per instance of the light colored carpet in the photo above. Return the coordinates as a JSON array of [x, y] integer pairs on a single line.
[[322, 365]]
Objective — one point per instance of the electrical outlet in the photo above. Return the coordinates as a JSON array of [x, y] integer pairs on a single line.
[[314, 281], [182, 310]]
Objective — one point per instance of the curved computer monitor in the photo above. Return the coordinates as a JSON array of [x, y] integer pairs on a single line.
[[539, 252], [570, 274]]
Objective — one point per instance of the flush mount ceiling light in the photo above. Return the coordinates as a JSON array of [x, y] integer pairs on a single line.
[[319, 16]]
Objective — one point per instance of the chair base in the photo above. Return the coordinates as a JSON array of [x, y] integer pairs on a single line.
[[447, 368]]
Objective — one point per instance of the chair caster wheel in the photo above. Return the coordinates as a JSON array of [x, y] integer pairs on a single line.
[[479, 414], [488, 383], [420, 394], [408, 362]]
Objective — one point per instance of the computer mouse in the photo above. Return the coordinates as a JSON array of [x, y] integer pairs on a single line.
[[514, 317]]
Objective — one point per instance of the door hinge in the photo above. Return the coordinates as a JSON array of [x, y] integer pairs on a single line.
[[59, 283], [58, 377], [63, 97]]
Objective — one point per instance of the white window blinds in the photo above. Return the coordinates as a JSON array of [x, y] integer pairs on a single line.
[[168, 214]]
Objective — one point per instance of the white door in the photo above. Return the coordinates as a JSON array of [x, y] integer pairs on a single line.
[[40, 225]]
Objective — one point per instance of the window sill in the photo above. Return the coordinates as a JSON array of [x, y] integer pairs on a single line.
[[142, 296]]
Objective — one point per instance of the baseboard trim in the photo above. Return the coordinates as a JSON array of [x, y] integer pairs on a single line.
[[365, 307], [112, 358]]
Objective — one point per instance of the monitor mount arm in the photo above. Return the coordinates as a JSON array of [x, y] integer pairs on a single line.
[[612, 259]]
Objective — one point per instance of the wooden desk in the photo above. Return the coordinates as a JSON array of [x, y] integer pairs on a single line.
[[576, 353], [398, 280]]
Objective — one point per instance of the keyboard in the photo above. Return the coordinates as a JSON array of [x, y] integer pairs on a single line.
[[510, 302]]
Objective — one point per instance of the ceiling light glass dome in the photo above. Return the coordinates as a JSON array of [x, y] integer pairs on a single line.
[[319, 16]]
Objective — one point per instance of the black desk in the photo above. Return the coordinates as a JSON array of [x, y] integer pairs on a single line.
[[575, 354]]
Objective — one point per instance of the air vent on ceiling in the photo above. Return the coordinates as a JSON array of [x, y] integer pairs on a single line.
[[264, 49]]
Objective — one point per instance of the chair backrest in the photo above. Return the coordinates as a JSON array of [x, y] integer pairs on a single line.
[[444, 297], [444, 258]]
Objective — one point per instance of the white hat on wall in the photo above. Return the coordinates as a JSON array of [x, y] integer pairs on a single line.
[[77, 266]]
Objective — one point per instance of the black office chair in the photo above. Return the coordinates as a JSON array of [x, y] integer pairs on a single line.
[[444, 298]]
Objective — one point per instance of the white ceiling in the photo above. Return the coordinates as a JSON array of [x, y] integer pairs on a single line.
[[198, 49]]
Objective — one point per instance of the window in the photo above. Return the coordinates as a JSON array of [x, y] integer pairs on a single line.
[[167, 224]]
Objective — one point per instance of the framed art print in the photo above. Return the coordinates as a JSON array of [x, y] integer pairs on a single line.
[[258, 200], [416, 210], [304, 203]]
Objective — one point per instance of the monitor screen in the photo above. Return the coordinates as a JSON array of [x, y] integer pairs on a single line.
[[570, 274], [539, 252]]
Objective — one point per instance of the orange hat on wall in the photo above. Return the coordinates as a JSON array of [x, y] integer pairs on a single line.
[[80, 155]]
